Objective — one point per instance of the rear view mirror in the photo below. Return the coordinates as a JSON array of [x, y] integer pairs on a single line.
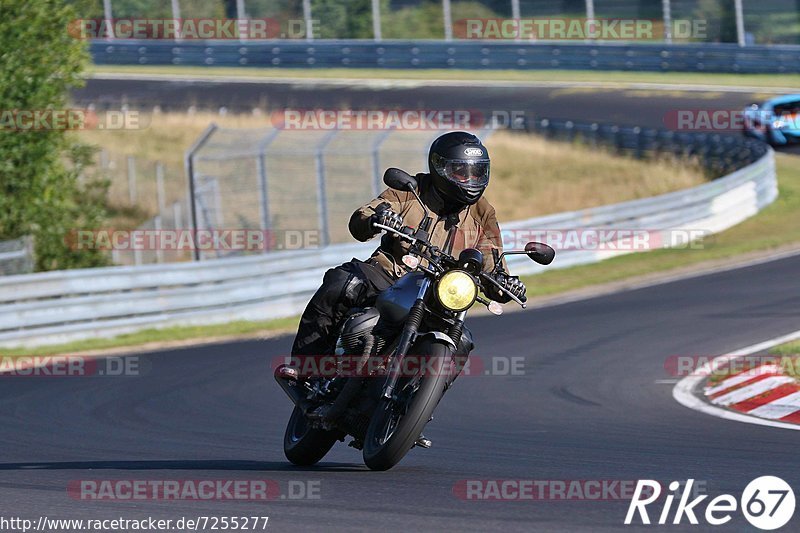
[[540, 252], [399, 180]]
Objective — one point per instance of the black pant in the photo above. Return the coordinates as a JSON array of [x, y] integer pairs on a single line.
[[343, 288]]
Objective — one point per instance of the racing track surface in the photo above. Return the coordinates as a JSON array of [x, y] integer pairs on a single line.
[[620, 106], [587, 407], [632, 107]]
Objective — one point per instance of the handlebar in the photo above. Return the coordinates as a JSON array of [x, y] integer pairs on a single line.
[[412, 240], [482, 275], [502, 289]]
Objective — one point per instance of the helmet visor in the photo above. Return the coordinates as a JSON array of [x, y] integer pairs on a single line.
[[464, 172]]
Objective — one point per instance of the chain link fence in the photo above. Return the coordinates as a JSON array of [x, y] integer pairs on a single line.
[[299, 187]]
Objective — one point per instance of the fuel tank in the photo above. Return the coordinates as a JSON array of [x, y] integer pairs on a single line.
[[395, 302]]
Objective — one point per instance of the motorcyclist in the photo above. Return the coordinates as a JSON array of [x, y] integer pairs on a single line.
[[453, 192]]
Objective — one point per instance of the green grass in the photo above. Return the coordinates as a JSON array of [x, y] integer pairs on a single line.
[[171, 334], [619, 77], [777, 225], [790, 360]]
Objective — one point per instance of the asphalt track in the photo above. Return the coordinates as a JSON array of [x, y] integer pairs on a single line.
[[640, 107], [589, 406], [594, 401]]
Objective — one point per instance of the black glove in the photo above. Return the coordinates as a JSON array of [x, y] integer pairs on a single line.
[[510, 284], [385, 216]]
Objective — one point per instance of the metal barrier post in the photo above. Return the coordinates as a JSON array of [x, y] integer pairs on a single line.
[[590, 15], [241, 23], [109, 17], [376, 20], [448, 20], [160, 194], [159, 249], [739, 22], [261, 168], [322, 196], [132, 179], [666, 9], [177, 216], [189, 165], [309, 22], [515, 14], [377, 181]]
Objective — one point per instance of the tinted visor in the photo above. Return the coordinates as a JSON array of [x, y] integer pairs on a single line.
[[467, 172]]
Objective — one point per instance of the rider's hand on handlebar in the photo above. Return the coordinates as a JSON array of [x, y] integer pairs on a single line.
[[386, 217], [510, 284]]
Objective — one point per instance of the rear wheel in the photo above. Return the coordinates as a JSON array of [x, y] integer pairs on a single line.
[[396, 424], [304, 445]]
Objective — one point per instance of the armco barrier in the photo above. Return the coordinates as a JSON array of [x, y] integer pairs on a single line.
[[456, 55], [53, 307]]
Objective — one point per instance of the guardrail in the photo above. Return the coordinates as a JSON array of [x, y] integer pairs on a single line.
[[477, 55], [55, 307], [16, 256]]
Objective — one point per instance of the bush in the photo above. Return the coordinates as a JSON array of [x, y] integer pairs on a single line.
[[40, 190]]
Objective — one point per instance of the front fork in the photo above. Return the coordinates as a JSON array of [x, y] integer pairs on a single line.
[[413, 321], [409, 334]]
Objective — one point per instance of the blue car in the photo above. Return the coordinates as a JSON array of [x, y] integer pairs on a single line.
[[776, 121]]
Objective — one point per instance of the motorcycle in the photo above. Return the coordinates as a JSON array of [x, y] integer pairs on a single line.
[[387, 394]]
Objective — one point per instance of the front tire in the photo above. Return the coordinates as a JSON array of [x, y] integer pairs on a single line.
[[391, 433], [303, 445]]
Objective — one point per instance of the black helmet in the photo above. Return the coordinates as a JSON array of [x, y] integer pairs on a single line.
[[459, 165]]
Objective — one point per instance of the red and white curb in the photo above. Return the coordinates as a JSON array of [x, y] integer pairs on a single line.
[[763, 395]]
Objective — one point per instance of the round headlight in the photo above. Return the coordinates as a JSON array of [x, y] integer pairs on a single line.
[[456, 290]]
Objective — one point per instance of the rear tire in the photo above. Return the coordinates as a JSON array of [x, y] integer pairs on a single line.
[[303, 445], [383, 455]]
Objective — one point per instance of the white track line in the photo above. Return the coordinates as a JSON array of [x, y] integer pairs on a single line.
[[751, 391], [747, 375], [684, 391], [779, 408]]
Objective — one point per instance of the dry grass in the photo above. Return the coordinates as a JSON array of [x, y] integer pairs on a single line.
[[530, 176], [162, 137]]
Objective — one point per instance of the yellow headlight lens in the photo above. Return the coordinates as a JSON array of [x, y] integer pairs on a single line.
[[456, 290]]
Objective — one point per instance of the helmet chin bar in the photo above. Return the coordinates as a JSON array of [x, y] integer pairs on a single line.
[[454, 197]]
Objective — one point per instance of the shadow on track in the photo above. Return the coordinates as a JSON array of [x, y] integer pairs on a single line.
[[261, 466]]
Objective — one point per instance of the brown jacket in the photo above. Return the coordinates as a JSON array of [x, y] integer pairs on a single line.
[[477, 226]]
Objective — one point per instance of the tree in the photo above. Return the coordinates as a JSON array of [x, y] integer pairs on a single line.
[[40, 194]]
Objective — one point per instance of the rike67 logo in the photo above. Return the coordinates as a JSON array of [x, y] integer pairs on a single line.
[[767, 503]]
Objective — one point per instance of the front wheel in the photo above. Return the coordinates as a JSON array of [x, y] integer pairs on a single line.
[[396, 424], [304, 445]]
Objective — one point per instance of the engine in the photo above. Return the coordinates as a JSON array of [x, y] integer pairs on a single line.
[[357, 328]]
